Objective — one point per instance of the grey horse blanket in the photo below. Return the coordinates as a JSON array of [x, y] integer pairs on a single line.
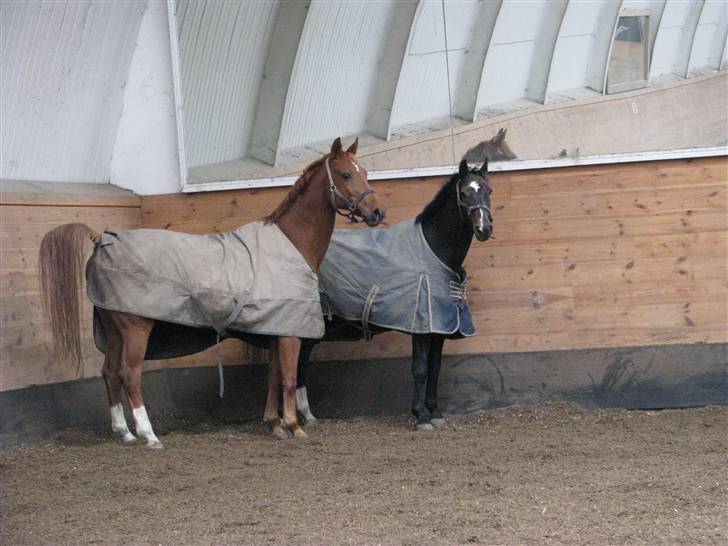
[[391, 278], [251, 279]]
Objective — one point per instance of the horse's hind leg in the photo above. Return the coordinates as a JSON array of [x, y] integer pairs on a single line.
[[110, 372], [271, 416], [135, 333], [301, 391]]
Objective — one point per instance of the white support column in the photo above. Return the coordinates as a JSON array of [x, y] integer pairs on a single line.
[[611, 14], [398, 86], [279, 62], [465, 105], [674, 38], [546, 46], [382, 98], [709, 40]]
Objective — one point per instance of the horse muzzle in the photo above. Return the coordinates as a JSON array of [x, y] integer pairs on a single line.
[[375, 217]]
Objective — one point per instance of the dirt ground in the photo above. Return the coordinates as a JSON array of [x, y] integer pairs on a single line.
[[541, 474]]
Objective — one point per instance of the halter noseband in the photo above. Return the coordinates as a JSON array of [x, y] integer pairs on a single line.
[[352, 207], [470, 208]]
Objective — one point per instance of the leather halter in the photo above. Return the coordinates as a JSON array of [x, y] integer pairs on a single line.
[[352, 207], [470, 208]]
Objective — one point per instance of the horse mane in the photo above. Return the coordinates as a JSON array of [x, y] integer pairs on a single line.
[[438, 201], [295, 192]]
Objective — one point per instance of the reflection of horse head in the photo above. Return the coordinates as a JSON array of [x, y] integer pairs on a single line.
[[495, 149]]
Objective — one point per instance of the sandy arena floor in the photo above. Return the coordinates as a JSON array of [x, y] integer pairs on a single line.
[[543, 474]]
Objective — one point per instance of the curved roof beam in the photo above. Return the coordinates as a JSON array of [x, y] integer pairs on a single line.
[[709, 39], [391, 59], [671, 50], [545, 47], [580, 45], [605, 66], [522, 43], [465, 105], [277, 71]]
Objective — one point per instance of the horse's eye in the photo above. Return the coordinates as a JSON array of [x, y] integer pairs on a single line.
[[346, 176]]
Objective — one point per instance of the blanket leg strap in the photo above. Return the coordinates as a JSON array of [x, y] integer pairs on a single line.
[[366, 311], [220, 376]]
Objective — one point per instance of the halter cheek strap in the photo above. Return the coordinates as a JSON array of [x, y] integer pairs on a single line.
[[351, 206]]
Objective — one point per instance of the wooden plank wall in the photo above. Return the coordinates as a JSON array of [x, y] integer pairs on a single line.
[[584, 257], [25, 348]]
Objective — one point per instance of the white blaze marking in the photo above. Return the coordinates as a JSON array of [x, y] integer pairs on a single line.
[[118, 423], [475, 185], [356, 166], [143, 426]]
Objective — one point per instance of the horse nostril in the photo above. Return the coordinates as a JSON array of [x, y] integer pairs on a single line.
[[378, 213]]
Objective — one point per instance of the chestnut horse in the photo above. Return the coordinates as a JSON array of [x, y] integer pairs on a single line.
[[306, 216]]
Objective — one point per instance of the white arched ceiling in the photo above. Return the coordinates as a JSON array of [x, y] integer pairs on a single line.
[[222, 49], [422, 90], [287, 29], [335, 73], [64, 67], [520, 51], [579, 46], [465, 105], [710, 36], [674, 36]]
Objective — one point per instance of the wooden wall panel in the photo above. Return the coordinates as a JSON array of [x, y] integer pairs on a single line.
[[584, 257], [25, 341]]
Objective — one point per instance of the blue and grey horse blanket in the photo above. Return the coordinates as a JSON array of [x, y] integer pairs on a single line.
[[391, 278]]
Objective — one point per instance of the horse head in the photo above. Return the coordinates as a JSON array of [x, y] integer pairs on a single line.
[[473, 197], [349, 187]]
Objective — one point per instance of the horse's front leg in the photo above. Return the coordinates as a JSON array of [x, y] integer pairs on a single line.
[[288, 350], [434, 359], [301, 391], [420, 351], [271, 415]]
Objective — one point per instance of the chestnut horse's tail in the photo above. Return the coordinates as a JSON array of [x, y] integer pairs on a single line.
[[61, 264]]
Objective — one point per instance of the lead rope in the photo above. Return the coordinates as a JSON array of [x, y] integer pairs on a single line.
[[449, 94]]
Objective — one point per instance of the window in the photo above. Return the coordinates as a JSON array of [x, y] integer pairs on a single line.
[[629, 57]]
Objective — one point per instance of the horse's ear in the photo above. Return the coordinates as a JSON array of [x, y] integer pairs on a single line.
[[352, 149], [336, 147], [484, 167], [463, 171]]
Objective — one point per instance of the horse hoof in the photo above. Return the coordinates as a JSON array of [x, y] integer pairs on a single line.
[[439, 423], [299, 433], [425, 427], [128, 439], [155, 445], [312, 422], [280, 433]]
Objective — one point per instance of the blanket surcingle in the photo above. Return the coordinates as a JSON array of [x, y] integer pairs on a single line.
[[392, 278], [251, 279]]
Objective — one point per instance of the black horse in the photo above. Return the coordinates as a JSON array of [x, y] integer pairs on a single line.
[[460, 210]]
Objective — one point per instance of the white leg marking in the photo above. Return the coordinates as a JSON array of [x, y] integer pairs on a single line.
[[118, 424], [144, 427], [302, 404]]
